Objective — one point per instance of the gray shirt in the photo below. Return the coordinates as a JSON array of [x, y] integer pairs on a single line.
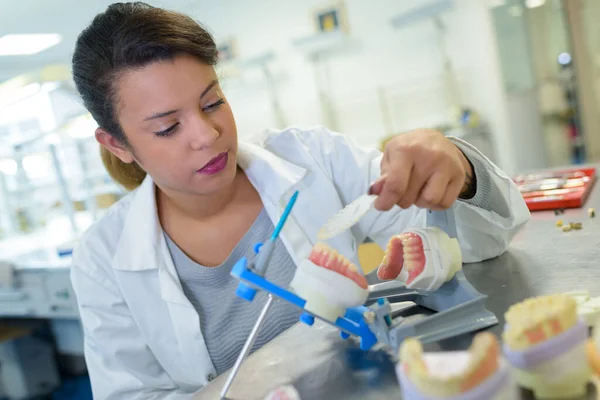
[[225, 319]]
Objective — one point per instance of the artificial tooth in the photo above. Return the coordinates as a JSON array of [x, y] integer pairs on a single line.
[[484, 362], [351, 266], [340, 262], [411, 256], [321, 247]]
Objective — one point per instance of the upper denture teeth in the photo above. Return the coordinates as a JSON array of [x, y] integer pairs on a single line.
[[538, 319], [328, 255], [351, 266], [321, 247]]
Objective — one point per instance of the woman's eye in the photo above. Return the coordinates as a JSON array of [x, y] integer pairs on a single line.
[[167, 131], [214, 106]]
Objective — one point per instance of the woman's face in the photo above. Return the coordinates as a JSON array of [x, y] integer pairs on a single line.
[[179, 126]]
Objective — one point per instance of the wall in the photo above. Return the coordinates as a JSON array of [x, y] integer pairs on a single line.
[[403, 64], [589, 71], [520, 83], [549, 38]]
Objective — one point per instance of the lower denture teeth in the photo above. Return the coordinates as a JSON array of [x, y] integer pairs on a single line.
[[485, 354], [453, 374], [593, 354], [424, 259]]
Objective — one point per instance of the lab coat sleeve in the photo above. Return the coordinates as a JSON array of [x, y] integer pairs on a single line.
[[119, 363], [482, 233]]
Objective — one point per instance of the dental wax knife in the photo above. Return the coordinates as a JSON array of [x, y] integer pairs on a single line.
[[264, 252]]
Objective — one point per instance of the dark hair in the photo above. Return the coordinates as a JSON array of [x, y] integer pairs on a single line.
[[126, 36]]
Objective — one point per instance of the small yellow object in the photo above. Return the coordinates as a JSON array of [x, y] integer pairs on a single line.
[[566, 228], [370, 256], [559, 223], [576, 225], [591, 212]]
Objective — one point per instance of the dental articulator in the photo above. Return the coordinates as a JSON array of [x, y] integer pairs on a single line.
[[427, 262]]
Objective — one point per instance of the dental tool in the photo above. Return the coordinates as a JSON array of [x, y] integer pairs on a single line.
[[247, 292], [347, 217], [458, 307]]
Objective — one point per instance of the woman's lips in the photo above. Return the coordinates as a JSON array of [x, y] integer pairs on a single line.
[[215, 165]]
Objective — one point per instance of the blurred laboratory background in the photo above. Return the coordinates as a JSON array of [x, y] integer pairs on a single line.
[[519, 79]]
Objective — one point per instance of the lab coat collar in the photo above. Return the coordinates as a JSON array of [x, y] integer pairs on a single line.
[[271, 175], [142, 245]]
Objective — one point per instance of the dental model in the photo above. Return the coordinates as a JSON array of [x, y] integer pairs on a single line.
[[593, 355], [588, 308], [476, 374], [329, 283], [423, 259], [285, 392], [545, 343]]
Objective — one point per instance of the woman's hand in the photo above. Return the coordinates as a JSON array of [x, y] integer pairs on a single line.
[[423, 168]]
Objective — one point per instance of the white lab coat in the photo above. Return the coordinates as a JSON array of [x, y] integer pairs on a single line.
[[142, 335]]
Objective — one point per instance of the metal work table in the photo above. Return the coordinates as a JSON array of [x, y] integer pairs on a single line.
[[541, 260]]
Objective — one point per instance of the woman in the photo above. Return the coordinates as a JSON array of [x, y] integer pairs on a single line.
[[157, 302]]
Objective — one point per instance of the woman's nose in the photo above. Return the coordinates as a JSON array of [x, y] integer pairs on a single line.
[[203, 135]]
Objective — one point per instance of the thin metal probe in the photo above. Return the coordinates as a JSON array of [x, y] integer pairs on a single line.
[[247, 346]]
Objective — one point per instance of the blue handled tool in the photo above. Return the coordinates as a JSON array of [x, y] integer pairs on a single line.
[[265, 252]]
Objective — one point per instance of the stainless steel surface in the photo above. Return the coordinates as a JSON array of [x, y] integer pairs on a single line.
[[383, 289], [542, 260]]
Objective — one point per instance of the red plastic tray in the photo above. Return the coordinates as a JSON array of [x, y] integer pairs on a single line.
[[553, 190]]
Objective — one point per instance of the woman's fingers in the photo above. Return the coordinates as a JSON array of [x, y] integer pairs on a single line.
[[395, 183], [434, 191], [452, 193]]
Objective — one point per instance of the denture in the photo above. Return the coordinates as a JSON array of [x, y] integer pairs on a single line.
[[326, 257], [479, 373], [592, 350], [405, 251], [545, 343], [329, 283], [538, 319], [422, 258]]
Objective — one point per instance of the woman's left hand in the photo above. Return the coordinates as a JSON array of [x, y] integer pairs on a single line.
[[422, 168]]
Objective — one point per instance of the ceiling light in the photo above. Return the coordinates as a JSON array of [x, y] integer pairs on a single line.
[[25, 44], [16, 95], [534, 3], [564, 58]]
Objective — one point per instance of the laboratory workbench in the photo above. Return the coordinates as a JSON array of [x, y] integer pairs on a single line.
[[39, 286], [541, 260]]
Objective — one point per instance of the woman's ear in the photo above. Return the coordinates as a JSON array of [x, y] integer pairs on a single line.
[[114, 145]]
